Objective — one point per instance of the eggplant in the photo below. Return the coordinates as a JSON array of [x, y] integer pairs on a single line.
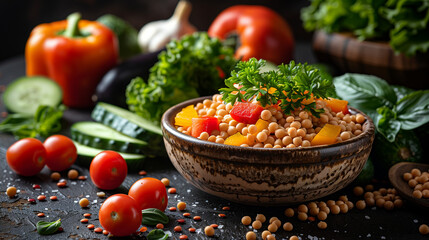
[[113, 85]]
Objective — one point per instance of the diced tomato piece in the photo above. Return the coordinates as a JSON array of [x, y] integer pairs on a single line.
[[246, 112], [204, 124]]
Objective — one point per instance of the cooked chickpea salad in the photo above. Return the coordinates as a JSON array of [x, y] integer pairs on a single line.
[[256, 110]]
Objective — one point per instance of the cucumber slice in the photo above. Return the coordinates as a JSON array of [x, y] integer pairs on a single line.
[[86, 154], [26, 94], [97, 135], [127, 123]]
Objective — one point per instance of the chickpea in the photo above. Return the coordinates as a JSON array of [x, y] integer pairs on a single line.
[[286, 140], [246, 220], [289, 212], [204, 136], [344, 208], [232, 130], [322, 215], [266, 115], [358, 191], [294, 238], [11, 192], [165, 181], [302, 208], [257, 224], [412, 183], [290, 119], [360, 204], [261, 137], [322, 225], [424, 229], [335, 209], [297, 141], [345, 135], [265, 234], [417, 194], [209, 231], [416, 172], [250, 235], [261, 217], [84, 202], [288, 226], [271, 237], [272, 227], [302, 216], [55, 176], [292, 132], [360, 118], [425, 193], [306, 123], [303, 115]]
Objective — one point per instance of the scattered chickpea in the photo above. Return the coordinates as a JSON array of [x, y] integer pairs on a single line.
[[288, 226], [424, 229], [249, 235], [271, 237], [302, 208], [335, 209], [11, 192], [246, 220], [84, 202], [272, 227], [181, 206], [261, 218], [209, 231], [101, 194], [302, 216], [73, 174], [358, 191], [289, 212], [257, 224], [322, 215], [55, 176], [322, 225], [360, 204], [294, 238], [165, 181]]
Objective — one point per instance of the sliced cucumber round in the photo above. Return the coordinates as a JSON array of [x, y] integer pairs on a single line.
[[97, 135], [26, 94], [85, 155], [127, 122]]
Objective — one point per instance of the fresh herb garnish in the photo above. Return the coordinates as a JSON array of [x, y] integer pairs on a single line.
[[157, 234], [46, 120], [290, 86], [153, 216], [48, 228]]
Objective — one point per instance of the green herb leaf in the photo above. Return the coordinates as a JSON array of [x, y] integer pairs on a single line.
[[153, 216], [157, 234], [288, 86], [413, 110], [365, 92], [48, 228], [47, 120], [387, 124]]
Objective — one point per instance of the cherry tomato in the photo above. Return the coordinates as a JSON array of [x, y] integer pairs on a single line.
[[108, 170], [120, 214], [26, 157], [62, 152], [149, 193]]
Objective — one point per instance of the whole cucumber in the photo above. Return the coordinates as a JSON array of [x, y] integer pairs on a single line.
[[112, 86]]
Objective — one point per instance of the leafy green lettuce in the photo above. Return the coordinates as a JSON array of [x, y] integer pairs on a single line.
[[404, 23], [194, 66]]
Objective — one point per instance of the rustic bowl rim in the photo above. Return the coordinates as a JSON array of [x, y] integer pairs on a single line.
[[168, 126]]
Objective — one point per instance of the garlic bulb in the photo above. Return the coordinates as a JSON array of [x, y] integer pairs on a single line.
[[155, 35]]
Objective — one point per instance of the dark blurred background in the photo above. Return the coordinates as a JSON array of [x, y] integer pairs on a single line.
[[19, 17]]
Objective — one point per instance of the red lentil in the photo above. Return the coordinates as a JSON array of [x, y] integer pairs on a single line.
[[98, 230], [181, 221], [84, 220], [226, 208], [105, 232], [183, 237], [87, 215], [32, 200], [62, 184], [214, 225], [53, 198], [177, 229], [36, 186], [222, 215], [41, 197], [186, 214], [143, 229], [159, 226], [172, 209], [90, 226], [82, 178], [41, 214]]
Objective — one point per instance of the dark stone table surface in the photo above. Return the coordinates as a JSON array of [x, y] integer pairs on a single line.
[[18, 218]]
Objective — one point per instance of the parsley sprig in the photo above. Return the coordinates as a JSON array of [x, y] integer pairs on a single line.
[[289, 86]]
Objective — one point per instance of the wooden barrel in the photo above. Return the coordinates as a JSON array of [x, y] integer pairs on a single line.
[[348, 54]]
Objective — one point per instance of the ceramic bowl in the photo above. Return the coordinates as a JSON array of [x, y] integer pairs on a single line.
[[255, 176], [348, 54]]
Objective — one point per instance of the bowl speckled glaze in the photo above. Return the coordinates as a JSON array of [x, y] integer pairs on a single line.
[[265, 176]]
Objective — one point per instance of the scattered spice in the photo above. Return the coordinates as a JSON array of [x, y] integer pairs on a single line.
[[143, 229], [214, 225], [62, 184], [87, 215], [222, 215], [181, 221], [226, 208], [183, 237], [31, 200], [82, 178], [186, 214]]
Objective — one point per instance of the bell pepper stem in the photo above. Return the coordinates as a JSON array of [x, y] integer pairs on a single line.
[[72, 30]]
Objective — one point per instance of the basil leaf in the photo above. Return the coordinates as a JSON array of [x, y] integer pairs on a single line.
[[157, 234], [387, 124], [413, 110], [153, 216], [365, 92], [48, 228], [401, 91]]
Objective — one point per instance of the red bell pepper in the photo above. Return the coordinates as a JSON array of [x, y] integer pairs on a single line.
[[204, 124], [246, 112], [263, 33], [75, 53]]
